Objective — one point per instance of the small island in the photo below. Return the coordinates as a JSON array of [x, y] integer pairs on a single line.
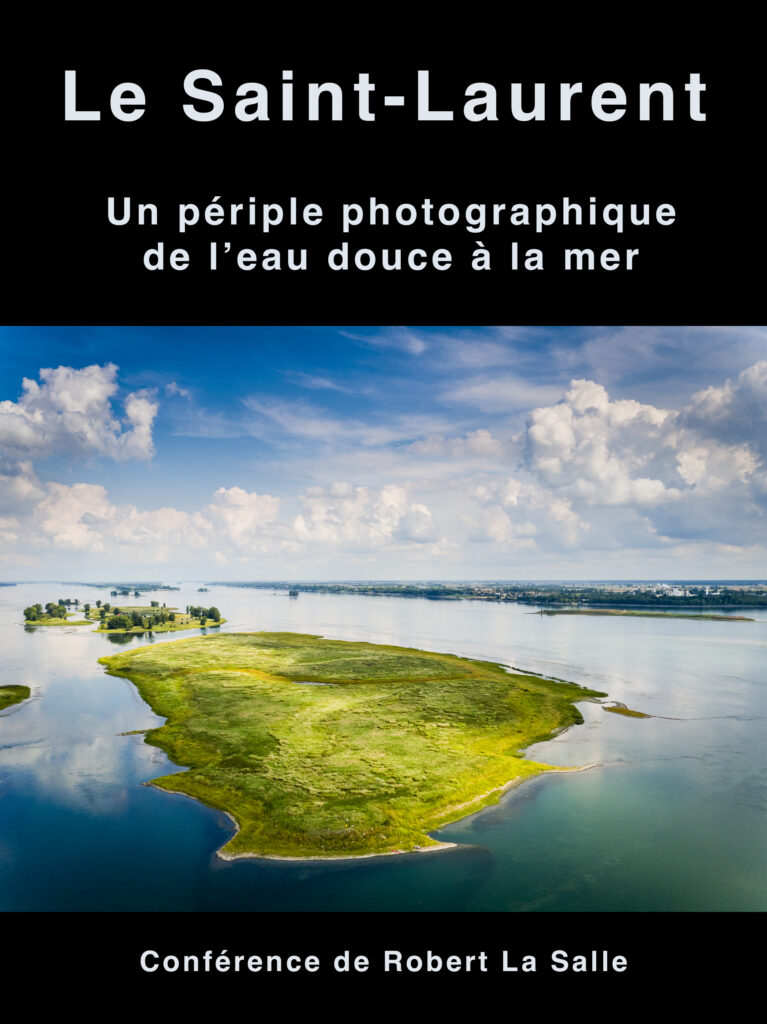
[[123, 619], [617, 708], [13, 694], [58, 613], [327, 748], [152, 618]]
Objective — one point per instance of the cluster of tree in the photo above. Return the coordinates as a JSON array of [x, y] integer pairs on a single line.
[[145, 620], [118, 622], [203, 614], [35, 612], [53, 609]]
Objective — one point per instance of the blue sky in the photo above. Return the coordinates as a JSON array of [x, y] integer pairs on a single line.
[[386, 453]]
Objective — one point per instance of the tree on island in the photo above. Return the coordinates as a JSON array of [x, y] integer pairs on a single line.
[[198, 612]]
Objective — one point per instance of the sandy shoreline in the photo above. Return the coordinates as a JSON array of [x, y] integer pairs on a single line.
[[436, 848], [341, 856]]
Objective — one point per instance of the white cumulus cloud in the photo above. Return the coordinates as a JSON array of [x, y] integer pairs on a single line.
[[362, 517], [70, 411], [241, 516]]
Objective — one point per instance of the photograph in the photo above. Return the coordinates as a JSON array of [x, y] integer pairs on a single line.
[[285, 610]]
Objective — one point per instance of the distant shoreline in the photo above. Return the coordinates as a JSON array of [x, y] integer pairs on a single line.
[[716, 596]]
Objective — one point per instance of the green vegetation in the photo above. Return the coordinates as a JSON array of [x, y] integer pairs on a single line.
[[644, 615], [621, 709], [143, 618], [54, 614], [46, 621], [12, 694], [127, 619], [323, 748]]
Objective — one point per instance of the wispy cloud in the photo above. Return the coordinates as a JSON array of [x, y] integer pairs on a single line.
[[402, 339], [501, 393], [301, 419], [314, 382], [207, 423]]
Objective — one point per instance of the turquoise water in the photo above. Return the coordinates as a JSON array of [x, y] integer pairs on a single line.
[[673, 818]]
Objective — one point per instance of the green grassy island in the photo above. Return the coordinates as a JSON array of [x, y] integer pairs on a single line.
[[13, 694], [327, 748], [621, 709]]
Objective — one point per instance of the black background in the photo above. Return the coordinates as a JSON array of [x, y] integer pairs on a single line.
[[70, 265], [65, 264]]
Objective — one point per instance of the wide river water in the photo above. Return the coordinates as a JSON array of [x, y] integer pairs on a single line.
[[674, 817]]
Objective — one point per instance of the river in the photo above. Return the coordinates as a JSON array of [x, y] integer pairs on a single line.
[[672, 819]]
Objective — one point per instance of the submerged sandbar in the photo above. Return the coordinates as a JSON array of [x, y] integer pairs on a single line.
[[637, 614], [402, 742]]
